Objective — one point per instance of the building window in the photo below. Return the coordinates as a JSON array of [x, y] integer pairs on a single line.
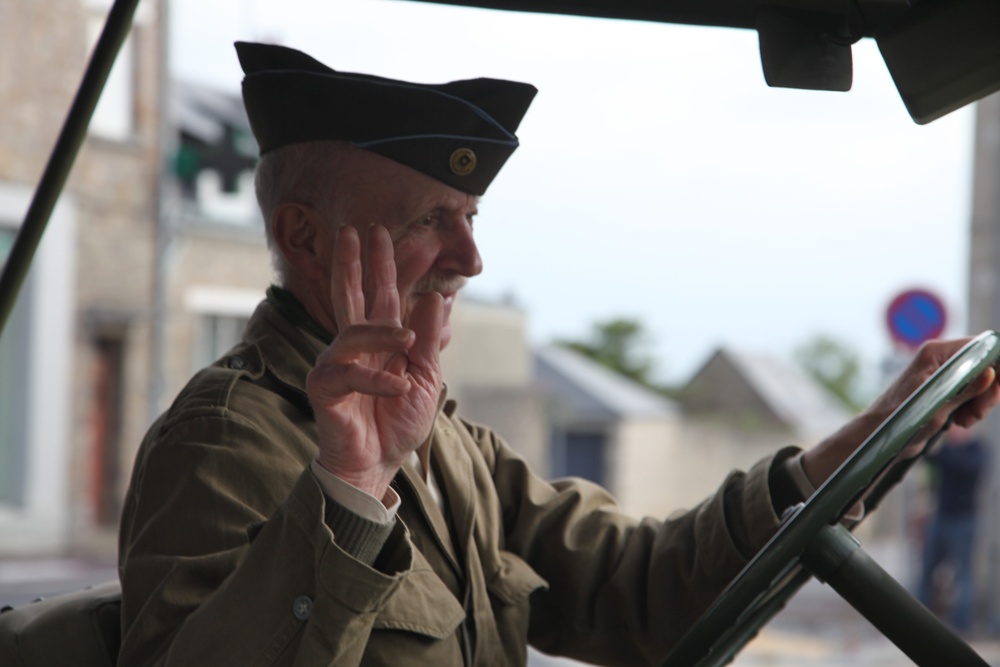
[[36, 348], [222, 314], [114, 117], [218, 333], [580, 454], [15, 349], [216, 156]]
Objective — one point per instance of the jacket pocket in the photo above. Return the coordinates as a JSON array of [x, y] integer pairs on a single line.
[[422, 604], [418, 624]]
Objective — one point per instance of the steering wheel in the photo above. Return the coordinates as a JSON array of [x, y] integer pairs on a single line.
[[811, 541]]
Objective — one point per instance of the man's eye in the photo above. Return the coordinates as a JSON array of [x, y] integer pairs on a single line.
[[427, 221]]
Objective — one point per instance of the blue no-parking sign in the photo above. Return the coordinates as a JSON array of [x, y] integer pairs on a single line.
[[915, 316]]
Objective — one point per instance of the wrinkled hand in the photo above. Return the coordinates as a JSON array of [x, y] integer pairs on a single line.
[[976, 400], [375, 389]]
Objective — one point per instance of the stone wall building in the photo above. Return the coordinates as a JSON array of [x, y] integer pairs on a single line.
[[138, 280], [152, 263], [609, 429], [75, 352]]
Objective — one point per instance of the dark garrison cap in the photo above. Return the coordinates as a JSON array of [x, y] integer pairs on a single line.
[[460, 133]]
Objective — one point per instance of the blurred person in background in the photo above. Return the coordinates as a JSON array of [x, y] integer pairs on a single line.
[[957, 464]]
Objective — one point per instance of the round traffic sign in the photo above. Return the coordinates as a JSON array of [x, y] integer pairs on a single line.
[[915, 316]]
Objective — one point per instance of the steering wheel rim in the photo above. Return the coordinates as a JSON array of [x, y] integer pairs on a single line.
[[775, 573]]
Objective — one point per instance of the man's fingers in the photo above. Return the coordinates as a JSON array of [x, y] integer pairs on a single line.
[[365, 339], [979, 396], [381, 295], [931, 356], [346, 286], [971, 405], [979, 385], [334, 382], [426, 321], [984, 395]]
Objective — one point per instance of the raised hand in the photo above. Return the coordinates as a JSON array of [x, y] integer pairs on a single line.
[[375, 389], [969, 407]]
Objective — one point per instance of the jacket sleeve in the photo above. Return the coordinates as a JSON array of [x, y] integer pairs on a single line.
[[624, 590], [225, 558]]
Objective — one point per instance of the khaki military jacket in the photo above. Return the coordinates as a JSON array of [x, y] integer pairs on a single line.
[[226, 557]]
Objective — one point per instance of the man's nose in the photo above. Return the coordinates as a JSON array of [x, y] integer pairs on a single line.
[[459, 252]]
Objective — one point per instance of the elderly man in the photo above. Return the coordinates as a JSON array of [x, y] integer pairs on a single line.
[[314, 498]]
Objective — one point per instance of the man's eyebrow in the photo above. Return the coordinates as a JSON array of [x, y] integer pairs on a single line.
[[473, 206]]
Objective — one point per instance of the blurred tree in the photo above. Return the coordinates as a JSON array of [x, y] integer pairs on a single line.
[[618, 344], [836, 366]]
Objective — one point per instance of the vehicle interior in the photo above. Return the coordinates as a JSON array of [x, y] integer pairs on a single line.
[[941, 54]]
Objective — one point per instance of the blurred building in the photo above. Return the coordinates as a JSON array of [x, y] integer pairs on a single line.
[[609, 429], [213, 264], [75, 353], [153, 259], [657, 455], [488, 369], [151, 265], [759, 393], [741, 406]]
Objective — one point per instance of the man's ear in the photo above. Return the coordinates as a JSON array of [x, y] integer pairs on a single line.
[[299, 234]]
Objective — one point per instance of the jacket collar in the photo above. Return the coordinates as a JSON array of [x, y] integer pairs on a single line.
[[288, 305], [289, 345]]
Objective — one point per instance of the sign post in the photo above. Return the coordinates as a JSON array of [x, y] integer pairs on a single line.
[[914, 316]]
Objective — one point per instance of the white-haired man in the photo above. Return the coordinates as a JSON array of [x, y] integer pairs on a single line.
[[314, 497]]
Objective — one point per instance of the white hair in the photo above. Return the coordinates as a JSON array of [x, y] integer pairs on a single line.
[[304, 173]]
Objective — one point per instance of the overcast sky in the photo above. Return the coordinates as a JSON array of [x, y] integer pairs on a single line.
[[659, 178]]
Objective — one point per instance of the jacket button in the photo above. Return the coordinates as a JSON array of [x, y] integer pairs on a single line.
[[238, 363], [302, 607]]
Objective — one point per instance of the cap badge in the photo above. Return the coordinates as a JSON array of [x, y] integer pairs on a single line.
[[462, 162]]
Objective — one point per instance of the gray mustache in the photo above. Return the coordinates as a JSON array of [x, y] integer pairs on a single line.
[[443, 284]]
